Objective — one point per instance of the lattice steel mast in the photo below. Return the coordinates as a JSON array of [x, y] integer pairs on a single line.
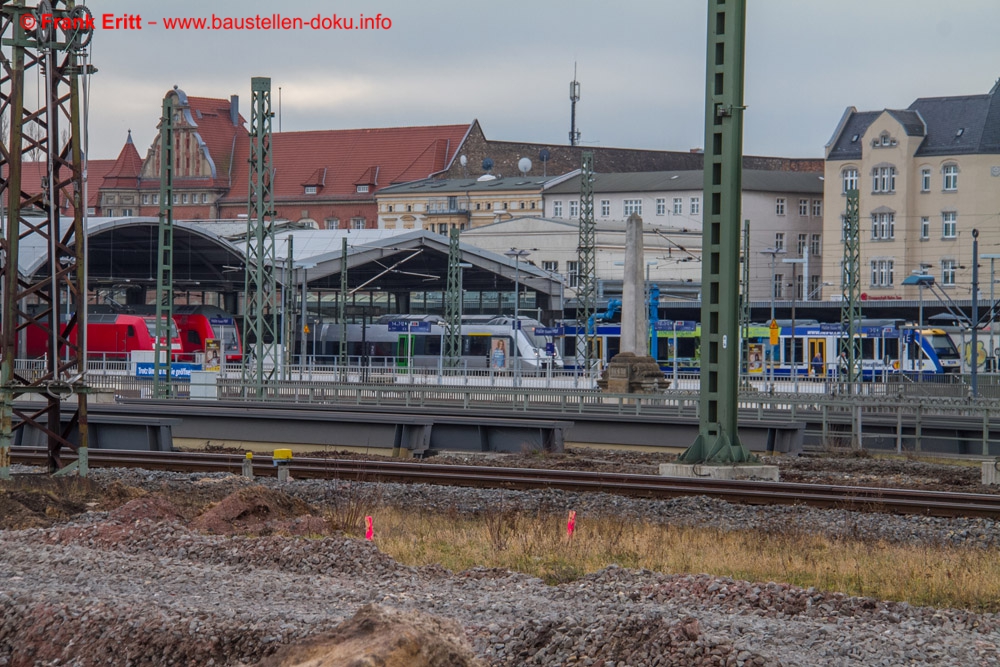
[[342, 310], [453, 304], [586, 288], [718, 438], [260, 285], [36, 302], [850, 309], [163, 386]]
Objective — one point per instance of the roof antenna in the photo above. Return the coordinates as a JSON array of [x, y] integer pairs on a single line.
[[574, 97]]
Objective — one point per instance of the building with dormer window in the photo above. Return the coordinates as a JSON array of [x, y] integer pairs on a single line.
[[927, 176]]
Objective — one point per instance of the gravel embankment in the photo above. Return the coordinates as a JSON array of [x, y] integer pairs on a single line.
[[142, 588]]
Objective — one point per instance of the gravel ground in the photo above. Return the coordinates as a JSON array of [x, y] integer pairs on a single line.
[[140, 583]]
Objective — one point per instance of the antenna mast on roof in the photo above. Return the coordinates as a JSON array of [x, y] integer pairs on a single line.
[[574, 97]]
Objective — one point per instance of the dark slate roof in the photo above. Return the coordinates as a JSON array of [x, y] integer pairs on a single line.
[[659, 181], [847, 146], [958, 125], [950, 126], [452, 185], [911, 121]]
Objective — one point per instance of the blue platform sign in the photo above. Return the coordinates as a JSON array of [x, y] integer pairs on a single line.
[[221, 321], [663, 325], [550, 331], [686, 325], [399, 326], [177, 371], [420, 327]]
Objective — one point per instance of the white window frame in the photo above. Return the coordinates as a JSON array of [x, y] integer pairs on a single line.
[[550, 266], [804, 207], [574, 208], [817, 208], [815, 245], [572, 274], [145, 200], [778, 286], [695, 205], [949, 177], [949, 225], [661, 206], [925, 180], [311, 189], [678, 206], [605, 208], [557, 209], [883, 272], [357, 223], [779, 206], [849, 178], [362, 189], [883, 226], [884, 179], [803, 243], [779, 240], [630, 206], [925, 228], [949, 269]]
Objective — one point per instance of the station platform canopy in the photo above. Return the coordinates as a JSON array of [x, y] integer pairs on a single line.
[[211, 256]]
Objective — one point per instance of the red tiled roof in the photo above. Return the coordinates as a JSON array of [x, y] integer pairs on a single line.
[[213, 122], [398, 153], [126, 169], [32, 172], [215, 127]]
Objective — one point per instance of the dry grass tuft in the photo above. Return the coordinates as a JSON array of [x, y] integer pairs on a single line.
[[538, 545]]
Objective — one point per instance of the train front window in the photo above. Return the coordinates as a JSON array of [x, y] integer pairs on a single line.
[[151, 328], [943, 346]]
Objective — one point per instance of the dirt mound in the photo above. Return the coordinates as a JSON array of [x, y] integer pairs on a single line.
[[35, 501], [147, 508], [258, 510], [385, 637]]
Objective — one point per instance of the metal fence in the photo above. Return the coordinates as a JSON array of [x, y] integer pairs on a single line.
[[900, 413]]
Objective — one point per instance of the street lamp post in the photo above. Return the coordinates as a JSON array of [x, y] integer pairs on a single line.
[[517, 255]]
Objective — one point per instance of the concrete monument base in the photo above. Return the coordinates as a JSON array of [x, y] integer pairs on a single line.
[[725, 471], [628, 373]]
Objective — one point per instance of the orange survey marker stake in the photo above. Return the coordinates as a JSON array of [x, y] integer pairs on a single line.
[[571, 524], [369, 528]]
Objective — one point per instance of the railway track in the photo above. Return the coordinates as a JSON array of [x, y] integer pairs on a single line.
[[857, 498]]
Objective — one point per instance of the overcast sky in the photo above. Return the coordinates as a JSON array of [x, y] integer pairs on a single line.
[[641, 66]]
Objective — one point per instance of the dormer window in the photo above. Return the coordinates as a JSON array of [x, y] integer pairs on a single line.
[[311, 189], [362, 189]]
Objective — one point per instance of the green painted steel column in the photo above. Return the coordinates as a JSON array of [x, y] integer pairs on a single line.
[[586, 286], [850, 308], [260, 286], [453, 304], [163, 385], [718, 439], [342, 310]]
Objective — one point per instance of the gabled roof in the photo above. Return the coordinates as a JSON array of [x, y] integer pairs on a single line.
[[126, 169], [390, 154], [960, 125], [218, 129], [968, 124], [847, 144], [911, 121]]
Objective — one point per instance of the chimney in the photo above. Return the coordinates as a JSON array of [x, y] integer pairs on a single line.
[[234, 110]]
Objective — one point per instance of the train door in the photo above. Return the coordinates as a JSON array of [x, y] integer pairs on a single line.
[[404, 351], [817, 356]]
